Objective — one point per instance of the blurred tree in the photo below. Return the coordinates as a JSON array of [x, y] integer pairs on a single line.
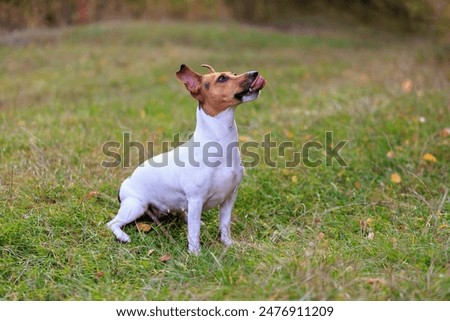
[[82, 9], [413, 15]]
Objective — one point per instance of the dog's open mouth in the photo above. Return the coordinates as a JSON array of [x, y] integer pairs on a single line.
[[257, 84], [253, 89]]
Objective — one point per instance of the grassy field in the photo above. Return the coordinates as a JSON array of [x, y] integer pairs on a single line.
[[377, 229]]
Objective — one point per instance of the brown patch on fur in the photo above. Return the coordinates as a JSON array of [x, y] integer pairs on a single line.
[[215, 91]]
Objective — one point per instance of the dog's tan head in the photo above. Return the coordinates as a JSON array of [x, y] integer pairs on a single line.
[[217, 91]]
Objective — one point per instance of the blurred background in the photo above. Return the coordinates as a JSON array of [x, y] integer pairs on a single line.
[[429, 16], [77, 74]]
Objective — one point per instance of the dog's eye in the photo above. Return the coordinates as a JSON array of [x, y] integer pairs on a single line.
[[222, 78]]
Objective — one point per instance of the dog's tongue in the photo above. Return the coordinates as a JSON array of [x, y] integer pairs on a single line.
[[258, 83]]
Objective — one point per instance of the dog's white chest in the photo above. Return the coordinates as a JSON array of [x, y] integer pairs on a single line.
[[222, 184], [223, 173]]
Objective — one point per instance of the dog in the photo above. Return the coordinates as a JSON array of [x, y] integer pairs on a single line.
[[201, 174]]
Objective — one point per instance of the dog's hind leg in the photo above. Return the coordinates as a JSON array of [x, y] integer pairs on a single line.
[[130, 210]]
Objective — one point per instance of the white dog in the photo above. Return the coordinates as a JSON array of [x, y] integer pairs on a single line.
[[203, 173]]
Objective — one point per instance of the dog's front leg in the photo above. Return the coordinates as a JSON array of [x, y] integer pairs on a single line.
[[195, 207], [225, 218]]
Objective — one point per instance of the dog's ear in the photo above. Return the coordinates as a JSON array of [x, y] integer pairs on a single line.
[[211, 69], [191, 80]]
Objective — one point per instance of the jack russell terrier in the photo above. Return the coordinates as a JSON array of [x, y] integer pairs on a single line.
[[203, 173]]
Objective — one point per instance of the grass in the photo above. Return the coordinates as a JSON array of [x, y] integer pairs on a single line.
[[324, 233]]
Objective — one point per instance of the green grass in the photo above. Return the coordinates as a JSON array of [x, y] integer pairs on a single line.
[[334, 233]]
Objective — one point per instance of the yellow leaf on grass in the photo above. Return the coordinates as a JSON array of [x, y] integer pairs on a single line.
[[407, 85], [294, 179], [390, 154], [143, 227], [165, 258], [244, 139], [444, 132], [288, 133], [375, 281], [92, 194], [429, 158], [395, 178]]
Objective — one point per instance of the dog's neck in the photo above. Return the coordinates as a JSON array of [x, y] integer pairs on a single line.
[[220, 128]]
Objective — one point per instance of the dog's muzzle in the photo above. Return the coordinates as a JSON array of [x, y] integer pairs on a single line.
[[255, 82]]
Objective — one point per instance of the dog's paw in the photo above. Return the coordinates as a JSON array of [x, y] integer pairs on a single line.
[[227, 241], [122, 237], [195, 250]]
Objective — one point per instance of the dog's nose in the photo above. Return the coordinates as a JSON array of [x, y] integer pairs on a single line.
[[253, 74]]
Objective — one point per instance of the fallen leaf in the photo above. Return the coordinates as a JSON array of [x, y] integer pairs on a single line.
[[165, 258], [422, 119], [395, 178], [370, 236], [92, 194], [100, 274], [320, 236], [357, 184], [143, 227], [390, 154], [429, 158], [245, 139], [369, 221], [444, 132], [288, 133], [294, 179], [407, 85], [375, 281], [150, 252]]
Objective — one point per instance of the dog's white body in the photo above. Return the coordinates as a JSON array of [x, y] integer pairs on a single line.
[[193, 187], [201, 174]]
